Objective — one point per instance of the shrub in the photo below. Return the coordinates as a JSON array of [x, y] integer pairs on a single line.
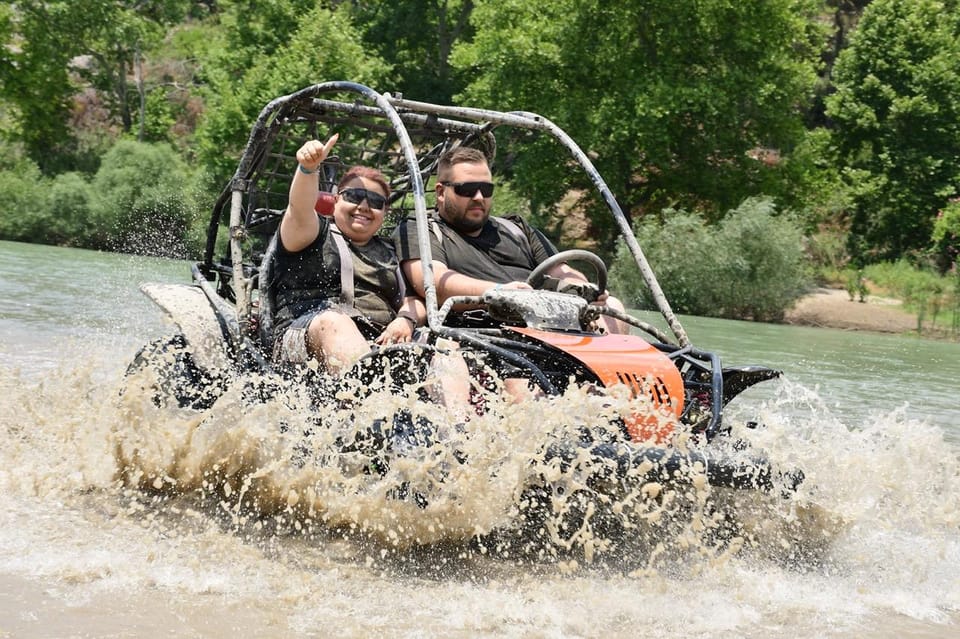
[[761, 270], [669, 247], [827, 253], [750, 266], [139, 201], [856, 285], [918, 288], [923, 291], [946, 236], [21, 203], [67, 209]]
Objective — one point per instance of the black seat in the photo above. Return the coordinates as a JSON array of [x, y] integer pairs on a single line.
[[267, 298]]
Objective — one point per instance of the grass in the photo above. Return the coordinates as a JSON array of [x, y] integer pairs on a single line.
[[935, 299]]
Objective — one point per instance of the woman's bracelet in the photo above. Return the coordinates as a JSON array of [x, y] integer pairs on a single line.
[[410, 318], [306, 171]]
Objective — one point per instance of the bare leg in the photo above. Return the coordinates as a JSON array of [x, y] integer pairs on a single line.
[[335, 341], [518, 389], [454, 382]]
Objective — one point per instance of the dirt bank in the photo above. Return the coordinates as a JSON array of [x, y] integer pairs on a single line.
[[832, 308]]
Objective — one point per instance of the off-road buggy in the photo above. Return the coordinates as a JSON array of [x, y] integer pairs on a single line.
[[548, 337]]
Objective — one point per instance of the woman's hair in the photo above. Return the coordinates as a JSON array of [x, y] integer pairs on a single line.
[[367, 172]]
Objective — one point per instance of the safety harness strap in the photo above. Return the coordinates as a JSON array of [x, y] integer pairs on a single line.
[[346, 272]]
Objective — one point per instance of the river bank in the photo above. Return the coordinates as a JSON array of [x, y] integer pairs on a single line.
[[833, 308]]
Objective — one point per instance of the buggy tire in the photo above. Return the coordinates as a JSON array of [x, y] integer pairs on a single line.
[[170, 373]]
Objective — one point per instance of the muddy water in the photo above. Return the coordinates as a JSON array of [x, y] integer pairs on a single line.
[[122, 519]]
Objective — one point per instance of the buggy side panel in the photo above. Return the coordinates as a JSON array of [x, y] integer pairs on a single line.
[[631, 361], [190, 310]]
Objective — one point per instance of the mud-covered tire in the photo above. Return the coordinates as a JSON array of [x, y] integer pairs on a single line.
[[166, 368]]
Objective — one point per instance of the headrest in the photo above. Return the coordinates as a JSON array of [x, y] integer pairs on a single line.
[[325, 202]]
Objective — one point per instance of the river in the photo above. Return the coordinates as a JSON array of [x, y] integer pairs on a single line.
[[118, 519]]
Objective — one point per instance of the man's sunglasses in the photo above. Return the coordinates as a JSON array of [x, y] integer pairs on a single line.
[[469, 189], [356, 196]]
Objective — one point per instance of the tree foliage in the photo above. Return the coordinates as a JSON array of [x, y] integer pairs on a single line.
[[43, 38], [255, 29], [59, 46], [416, 37], [689, 106], [298, 62], [896, 113], [683, 103]]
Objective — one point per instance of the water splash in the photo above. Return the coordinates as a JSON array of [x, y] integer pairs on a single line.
[[259, 487]]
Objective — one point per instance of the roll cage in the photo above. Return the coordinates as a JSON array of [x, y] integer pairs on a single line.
[[404, 139]]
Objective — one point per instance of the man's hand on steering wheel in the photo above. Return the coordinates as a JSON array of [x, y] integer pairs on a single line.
[[573, 285], [569, 280]]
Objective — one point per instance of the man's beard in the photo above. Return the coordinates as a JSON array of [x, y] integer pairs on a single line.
[[457, 218]]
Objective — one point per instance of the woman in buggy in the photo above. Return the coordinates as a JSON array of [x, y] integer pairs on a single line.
[[335, 284]]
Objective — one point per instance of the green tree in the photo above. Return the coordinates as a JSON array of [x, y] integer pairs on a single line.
[[116, 46], [257, 29], [41, 40], [7, 65], [683, 103], [844, 15], [416, 37], [325, 46], [55, 45], [896, 118]]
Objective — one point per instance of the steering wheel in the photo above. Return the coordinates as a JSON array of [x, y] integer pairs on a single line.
[[539, 274]]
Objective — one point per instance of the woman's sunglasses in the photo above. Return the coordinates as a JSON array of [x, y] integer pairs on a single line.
[[469, 189], [356, 196]]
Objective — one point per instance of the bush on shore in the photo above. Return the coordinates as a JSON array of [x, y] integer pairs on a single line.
[[139, 201], [749, 266], [22, 207], [933, 297]]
